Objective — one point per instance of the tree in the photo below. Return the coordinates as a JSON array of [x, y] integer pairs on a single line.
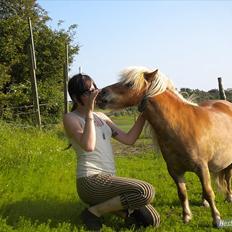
[[199, 96], [14, 60]]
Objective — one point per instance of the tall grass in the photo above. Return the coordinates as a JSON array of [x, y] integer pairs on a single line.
[[38, 193]]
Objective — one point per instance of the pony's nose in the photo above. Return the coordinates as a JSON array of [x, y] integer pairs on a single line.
[[103, 92]]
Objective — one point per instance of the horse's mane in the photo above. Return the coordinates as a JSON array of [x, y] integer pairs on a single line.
[[135, 76]]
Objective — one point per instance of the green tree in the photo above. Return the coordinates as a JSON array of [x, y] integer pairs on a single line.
[[199, 96], [15, 64]]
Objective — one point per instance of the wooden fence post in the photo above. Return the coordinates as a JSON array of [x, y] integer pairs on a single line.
[[66, 108], [221, 90], [33, 77]]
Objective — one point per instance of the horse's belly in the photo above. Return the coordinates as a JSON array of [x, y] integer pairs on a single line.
[[220, 146], [220, 161]]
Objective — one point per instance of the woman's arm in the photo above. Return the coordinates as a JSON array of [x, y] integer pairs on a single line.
[[85, 137], [130, 137]]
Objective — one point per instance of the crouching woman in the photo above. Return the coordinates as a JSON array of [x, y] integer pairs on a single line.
[[90, 134]]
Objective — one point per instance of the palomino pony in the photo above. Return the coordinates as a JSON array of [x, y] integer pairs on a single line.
[[195, 138]]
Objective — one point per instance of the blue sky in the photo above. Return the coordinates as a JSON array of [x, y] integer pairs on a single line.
[[189, 41]]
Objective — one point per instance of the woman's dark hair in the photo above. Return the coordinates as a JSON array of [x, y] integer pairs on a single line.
[[78, 85]]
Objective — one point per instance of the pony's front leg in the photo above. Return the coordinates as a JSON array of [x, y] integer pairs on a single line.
[[208, 194], [183, 196]]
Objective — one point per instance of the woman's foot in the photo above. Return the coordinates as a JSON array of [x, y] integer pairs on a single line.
[[144, 216], [91, 221]]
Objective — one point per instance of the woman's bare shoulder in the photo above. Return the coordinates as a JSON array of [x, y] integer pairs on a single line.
[[68, 116], [71, 118]]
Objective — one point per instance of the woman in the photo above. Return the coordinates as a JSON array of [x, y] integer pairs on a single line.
[[90, 134]]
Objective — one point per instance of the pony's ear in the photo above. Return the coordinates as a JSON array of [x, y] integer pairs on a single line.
[[150, 76]]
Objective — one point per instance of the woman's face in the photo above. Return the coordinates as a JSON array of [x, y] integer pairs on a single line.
[[89, 91], [85, 96]]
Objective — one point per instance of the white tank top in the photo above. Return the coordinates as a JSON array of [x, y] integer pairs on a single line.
[[101, 160]]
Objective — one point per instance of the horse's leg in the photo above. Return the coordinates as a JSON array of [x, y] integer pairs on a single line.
[[205, 203], [208, 193], [228, 176], [182, 193]]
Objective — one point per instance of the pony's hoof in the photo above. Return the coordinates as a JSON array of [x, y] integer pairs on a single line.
[[217, 222], [187, 218], [205, 203]]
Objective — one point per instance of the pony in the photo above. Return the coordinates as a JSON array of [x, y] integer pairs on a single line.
[[192, 137]]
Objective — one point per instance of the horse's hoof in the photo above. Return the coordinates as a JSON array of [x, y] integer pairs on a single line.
[[217, 222], [205, 203], [187, 218]]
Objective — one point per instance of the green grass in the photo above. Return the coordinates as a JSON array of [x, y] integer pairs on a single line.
[[38, 193]]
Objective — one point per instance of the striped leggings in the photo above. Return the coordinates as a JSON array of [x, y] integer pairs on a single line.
[[101, 187]]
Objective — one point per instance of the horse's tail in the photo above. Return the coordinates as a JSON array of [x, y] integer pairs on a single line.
[[220, 178]]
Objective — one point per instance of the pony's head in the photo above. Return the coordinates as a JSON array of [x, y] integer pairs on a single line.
[[135, 83]]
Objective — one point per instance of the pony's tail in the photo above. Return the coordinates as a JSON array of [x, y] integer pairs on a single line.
[[220, 179]]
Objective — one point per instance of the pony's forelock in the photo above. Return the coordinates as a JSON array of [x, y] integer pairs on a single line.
[[135, 76]]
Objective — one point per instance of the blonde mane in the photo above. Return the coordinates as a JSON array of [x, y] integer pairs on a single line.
[[135, 76]]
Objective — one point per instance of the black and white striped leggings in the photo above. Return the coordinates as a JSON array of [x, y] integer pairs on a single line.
[[101, 187]]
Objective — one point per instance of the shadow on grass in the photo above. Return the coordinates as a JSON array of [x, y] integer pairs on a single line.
[[54, 212], [49, 211]]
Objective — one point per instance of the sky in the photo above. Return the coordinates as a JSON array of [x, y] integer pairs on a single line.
[[189, 41]]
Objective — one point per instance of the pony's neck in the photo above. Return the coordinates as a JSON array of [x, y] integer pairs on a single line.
[[166, 112]]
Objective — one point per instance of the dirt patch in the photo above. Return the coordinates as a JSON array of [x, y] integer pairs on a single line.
[[138, 148]]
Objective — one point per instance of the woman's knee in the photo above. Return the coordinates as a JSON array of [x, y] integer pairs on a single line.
[[148, 193]]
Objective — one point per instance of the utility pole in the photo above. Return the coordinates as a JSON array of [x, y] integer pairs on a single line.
[[33, 77], [222, 94], [66, 108]]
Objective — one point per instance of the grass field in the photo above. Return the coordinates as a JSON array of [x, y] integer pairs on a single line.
[[37, 184]]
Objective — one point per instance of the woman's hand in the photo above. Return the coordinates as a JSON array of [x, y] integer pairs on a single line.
[[91, 101], [129, 137]]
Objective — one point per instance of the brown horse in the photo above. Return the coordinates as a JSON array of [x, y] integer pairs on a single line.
[[192, 137]]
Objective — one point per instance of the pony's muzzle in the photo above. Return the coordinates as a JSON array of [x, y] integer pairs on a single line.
[[101, 100]]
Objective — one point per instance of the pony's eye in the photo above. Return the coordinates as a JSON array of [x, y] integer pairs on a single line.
[[129, 85]]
